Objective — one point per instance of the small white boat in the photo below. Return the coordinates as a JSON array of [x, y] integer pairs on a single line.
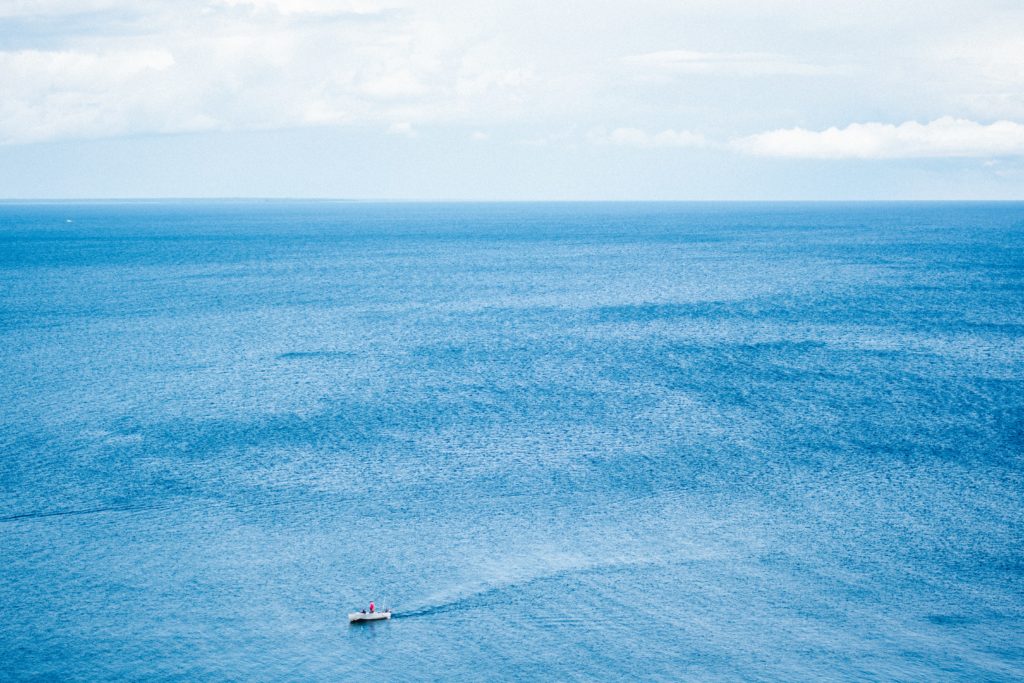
[[354, 617]]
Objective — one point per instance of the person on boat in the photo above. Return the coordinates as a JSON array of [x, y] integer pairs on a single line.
[[371, 608]]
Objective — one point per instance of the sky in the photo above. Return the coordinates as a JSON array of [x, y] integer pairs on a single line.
[[503, 100]]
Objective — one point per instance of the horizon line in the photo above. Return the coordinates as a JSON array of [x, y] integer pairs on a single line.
[[352, 200]]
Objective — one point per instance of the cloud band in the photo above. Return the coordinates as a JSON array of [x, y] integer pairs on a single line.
[[944, 137]]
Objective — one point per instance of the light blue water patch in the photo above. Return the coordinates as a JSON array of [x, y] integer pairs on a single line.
[[563, 441]]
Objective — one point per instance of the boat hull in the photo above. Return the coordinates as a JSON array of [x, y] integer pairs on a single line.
[[355, 617]]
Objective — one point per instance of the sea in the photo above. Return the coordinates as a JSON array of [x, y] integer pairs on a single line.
[[562, 441]]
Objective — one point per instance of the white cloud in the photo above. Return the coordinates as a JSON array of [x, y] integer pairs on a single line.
[[944, 137], [637, 137], [55, 94], [403, 129], [255, 64], [986, 71], [671, 62], [35, 8], [319, 7], [95, 68]]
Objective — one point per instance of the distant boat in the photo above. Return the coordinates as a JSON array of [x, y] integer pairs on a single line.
[[354, 617]]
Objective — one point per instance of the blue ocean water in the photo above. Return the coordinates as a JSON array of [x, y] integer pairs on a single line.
[[563, 441]]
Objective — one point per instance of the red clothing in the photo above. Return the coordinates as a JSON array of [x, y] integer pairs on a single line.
[[371, 608]]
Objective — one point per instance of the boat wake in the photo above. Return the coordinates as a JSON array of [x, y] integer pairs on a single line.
[[490, 594]]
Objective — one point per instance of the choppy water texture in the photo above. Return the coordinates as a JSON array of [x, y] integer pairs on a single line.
[[564, 441]]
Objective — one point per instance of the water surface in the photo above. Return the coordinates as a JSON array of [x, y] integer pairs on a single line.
[[564, 441]]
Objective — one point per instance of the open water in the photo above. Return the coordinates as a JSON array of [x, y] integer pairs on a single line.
[[563, 441]]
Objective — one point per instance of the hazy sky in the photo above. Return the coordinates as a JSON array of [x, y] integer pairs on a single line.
[[485, 99]]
